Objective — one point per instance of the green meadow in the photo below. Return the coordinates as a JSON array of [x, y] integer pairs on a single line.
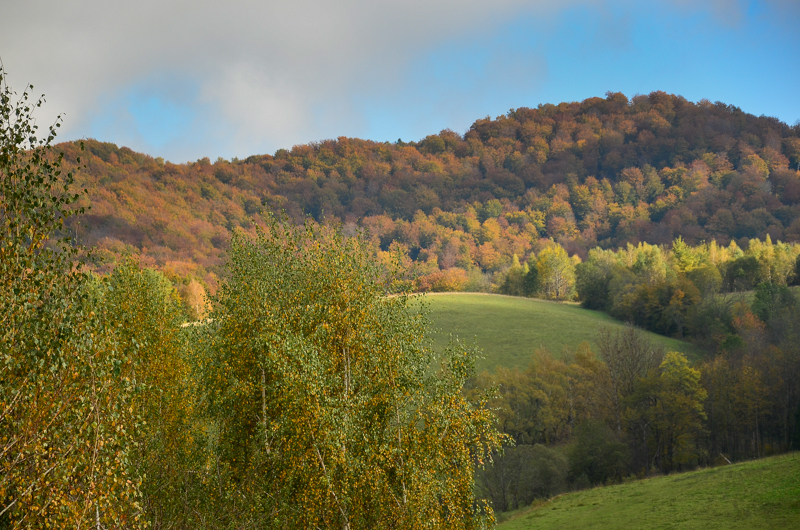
[[509, 329], [753, 495]]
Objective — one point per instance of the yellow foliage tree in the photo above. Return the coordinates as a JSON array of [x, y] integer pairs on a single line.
[[65, 389], [556, 272], [319, 388]]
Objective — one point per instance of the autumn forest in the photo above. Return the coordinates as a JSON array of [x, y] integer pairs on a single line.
[[604, 172]]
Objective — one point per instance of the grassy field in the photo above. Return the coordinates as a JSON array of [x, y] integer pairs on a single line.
[[753, 495], [748, 296], [509, 329]]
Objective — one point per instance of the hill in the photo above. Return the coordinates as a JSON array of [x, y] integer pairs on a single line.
[[758, 494], [604, 171], [508, 329]]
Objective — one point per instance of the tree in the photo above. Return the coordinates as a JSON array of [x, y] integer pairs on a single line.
[[63, 384], [530, 281], [741, 274], [556, 272], [630, 356], [796, 276], [596, 454], [686, 258], [770, 298], [678, 413], [144, 314], [319, 390], [594, 279], [776, 261], [514, 281], [490, 210], [707, 279], [523, 474], [195, 300]]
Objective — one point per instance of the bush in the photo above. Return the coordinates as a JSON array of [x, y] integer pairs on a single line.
[[523, 474], [596, 454]]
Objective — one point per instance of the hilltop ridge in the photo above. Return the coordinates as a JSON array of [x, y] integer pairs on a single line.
[[601, 172]]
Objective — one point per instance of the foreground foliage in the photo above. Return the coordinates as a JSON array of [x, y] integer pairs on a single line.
[[319, 391], [65, 385], [308, 399]]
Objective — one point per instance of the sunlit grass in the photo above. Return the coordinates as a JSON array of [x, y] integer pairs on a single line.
[[509, 329], [753, 495]]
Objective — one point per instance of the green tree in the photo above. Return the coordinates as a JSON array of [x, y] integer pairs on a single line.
[[65, 388], [741, 274], [556, 272], [320, 393], [686, 258], [665, 415], [776, 261], [593, 279], [514, 281], [530, 281], [678, 413], [490, 210], [596, 454], [144, 314], [707, 279], [770, 298]]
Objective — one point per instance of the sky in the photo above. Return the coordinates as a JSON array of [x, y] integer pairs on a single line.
[[187, 79]]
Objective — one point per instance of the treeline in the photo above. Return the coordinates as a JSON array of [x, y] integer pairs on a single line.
[[684, 291], [579, 421], [632, 410], [307, 399], [691, 292], [602, 172]]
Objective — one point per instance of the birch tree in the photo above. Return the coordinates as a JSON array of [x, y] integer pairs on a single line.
[[319, 388], [64, 399]]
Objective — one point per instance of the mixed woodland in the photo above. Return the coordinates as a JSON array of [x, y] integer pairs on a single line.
[[211, 345], [603, 173]]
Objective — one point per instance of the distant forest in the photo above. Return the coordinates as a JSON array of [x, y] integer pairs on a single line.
[[601, 172]]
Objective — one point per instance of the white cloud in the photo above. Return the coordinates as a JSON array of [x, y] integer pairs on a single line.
[[267, 74]]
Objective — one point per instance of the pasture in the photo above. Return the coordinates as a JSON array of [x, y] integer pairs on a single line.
[[509, 329], [751, 495]]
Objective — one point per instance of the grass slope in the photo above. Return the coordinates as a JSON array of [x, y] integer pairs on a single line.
[[509, 329], [758, 494]]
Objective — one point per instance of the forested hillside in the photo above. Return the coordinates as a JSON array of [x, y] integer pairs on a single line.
[[305, 373], [602, 172]]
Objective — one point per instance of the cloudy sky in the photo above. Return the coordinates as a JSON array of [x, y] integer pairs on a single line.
[[187, 79]]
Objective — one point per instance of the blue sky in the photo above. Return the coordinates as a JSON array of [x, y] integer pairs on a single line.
[[185, 80], [581, 52]]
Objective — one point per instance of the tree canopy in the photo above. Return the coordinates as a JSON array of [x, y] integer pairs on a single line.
[[600, 172], [321, 389]]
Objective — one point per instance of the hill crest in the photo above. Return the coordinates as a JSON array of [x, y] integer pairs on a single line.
[[601, 172]]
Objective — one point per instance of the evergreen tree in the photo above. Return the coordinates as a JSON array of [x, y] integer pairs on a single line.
[[530, 281]]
